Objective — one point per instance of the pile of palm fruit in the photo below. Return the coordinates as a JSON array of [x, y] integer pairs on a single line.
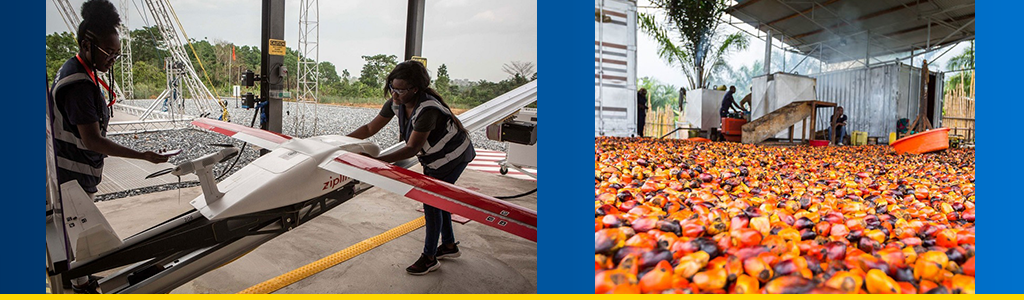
[[676, 216]]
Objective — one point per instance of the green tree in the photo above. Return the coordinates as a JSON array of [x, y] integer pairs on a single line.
[[376, 69], [689, 37], [661, 94], [60, 47], [443, 83]]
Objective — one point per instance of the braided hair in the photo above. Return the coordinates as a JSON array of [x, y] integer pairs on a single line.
[[415, 73], [99, 19]]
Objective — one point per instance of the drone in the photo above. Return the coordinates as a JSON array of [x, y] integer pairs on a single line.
[[296, 181]]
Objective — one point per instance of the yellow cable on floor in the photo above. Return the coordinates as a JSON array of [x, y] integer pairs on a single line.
[[294, 276]]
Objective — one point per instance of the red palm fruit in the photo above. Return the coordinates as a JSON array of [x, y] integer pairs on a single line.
[[738, 221], [768, 258], [893, 257], [717, 263], [682, 247], [658, 279], [822, 228], [964, 237], [962, 284], [746, 285], [711, 280], [968, 267], [839, 230], [693, 230], [926, 285], [746, 237], [856, 224], [946, 238], [846, 281], [907, 288], [789, 285], [878, 282], [835, 251], [757, 268]]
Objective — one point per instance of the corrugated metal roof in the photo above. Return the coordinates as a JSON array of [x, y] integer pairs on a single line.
[[842, 30]]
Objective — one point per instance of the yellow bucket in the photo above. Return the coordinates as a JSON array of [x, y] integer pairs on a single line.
[[892, 137], [859, 138]]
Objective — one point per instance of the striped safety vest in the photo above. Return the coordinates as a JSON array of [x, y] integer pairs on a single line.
[[74, 161], [445, 144]]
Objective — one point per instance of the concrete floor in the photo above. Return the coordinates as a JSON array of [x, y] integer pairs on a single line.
[[492, 261]]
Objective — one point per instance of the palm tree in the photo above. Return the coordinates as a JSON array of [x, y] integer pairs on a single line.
[[965, 60], [689, 36]]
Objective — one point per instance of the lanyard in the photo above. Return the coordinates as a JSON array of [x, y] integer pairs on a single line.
[[92, 74]]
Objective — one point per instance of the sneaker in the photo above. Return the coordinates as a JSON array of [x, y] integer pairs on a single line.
[[92, 287], [423, 266], [445, 252]]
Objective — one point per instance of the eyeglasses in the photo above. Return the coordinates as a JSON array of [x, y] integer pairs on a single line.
[[399, 91], [109, 56]]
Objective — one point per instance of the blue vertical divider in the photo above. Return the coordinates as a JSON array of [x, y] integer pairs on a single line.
[[564, 68]]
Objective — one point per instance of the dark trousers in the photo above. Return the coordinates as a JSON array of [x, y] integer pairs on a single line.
[[439, 222], [641, 119]]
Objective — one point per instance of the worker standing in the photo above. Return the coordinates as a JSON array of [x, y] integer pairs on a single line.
[[436, 137], [728, 103], [79, 112], [682, 99], [641, 111]]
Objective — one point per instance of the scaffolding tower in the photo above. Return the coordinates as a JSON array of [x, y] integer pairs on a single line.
[[127, 82], [164, 19], [308, 81], [71, 19]]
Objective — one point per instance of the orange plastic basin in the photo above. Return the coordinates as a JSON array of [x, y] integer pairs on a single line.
[[924, 142], [698, 139], [819, 143]]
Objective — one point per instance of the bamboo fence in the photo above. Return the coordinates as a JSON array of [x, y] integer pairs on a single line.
[[958, 110], [660, 121]]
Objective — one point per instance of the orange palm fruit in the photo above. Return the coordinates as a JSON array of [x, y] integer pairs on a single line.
[[789, 234], [607, 281], [746, 285], [758, 269], [658, 279], [962, 284], [946, 238], [691, 263], [846, 281], [839, 230], [745, 237], [930, 265], [710, 280], [878, 282], [907, 288], [733, 268]]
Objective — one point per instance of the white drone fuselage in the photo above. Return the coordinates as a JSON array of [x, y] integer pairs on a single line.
[[289, 174]]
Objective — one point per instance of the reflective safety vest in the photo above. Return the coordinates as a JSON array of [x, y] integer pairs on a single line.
[[74, 161], [445, 144]]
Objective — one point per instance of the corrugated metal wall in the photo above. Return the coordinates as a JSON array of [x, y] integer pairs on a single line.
[[873, 100]]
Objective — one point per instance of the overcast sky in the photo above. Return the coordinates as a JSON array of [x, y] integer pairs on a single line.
[[473, 38], [650, 65]]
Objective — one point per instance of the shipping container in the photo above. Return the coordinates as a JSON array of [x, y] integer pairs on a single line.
[[615, 68], [874, 99]]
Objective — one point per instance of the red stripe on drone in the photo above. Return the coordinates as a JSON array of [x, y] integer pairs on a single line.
[[230, 129], [499, 208], [489, 219]]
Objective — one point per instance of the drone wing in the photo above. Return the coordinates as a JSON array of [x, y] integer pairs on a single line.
[[485, 209], [264, 139]]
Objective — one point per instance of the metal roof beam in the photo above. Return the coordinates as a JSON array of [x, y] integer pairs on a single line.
[[864, 17], [799, 13]]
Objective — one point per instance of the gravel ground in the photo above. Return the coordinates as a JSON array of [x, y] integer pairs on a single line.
[[195, 142]]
